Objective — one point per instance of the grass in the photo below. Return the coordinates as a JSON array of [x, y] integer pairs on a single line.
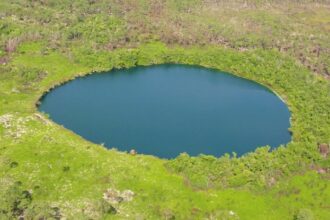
[[65, 171], [48, 171]]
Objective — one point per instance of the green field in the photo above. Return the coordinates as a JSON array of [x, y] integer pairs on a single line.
[[48, 172]]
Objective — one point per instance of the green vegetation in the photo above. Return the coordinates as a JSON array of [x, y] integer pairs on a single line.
[[49, 172]]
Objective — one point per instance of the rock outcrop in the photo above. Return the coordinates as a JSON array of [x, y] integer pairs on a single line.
[[114, 196]]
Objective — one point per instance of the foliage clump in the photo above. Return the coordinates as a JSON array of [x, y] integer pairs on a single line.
[[17, 203], [284, 46]]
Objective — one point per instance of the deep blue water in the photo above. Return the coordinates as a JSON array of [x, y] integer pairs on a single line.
[[164, 110]]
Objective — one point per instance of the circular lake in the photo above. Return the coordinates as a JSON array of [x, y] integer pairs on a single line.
[[164, 110]]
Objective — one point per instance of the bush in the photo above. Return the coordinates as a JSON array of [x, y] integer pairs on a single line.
[[15, 201], [304, 214]]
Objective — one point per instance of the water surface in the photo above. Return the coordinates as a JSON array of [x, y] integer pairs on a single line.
[[164, 110]]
